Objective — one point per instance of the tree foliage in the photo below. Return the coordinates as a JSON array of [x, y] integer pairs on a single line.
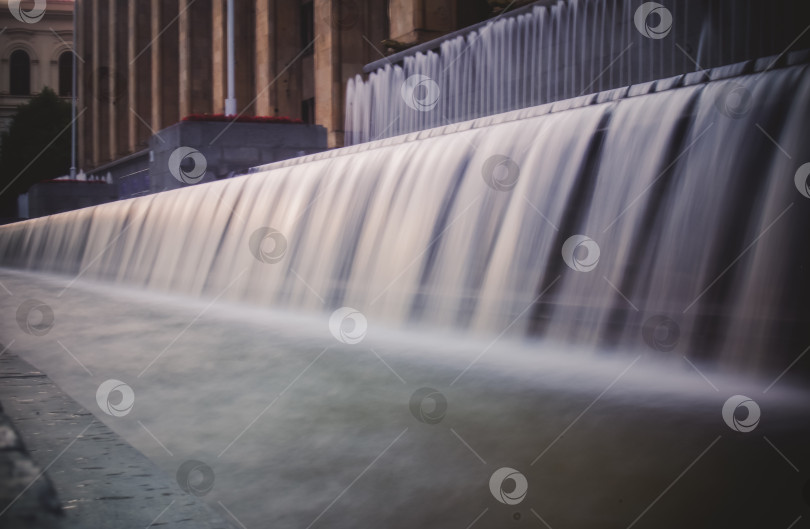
[[36, 146]]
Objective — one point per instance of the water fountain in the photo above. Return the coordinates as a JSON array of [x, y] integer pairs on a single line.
[[550, 315], [555, 50]]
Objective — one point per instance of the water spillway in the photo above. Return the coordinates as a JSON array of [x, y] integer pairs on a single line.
[[588, 312], [587, 220], [554, 50]]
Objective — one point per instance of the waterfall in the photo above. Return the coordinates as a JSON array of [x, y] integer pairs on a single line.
[[681, 202], [562, 50]]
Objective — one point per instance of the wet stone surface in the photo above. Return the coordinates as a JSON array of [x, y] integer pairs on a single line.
[[93, 478]]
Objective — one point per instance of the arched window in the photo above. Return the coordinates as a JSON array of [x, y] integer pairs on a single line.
[[20, 73], [66, 74]]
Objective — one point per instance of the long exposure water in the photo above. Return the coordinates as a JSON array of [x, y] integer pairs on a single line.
[[580, 286], [681, 209], [303, 431], [564, 49]]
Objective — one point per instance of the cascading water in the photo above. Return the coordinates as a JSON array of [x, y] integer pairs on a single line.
[[687, 194], [670, 212], [560, 50]]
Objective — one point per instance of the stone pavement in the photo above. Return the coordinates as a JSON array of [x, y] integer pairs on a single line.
[[62, 468]]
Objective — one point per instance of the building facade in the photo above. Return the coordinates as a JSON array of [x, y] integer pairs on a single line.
[[34, 53], [146, 64]]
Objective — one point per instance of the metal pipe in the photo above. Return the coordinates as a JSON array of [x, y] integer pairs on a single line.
[[230, 102]]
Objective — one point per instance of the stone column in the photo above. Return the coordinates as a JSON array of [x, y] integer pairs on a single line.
[[155, 52], [265, 51], [52, 78], [245, 41], [93, 66], [4, 75], [117, 79], [327, 70], [104, 74], [80, 11], [132, 79], [165, 74], [169, 70], [184, 58], [100, 78], [346, 34], [121, 99], [110, 44], [139, 85], [289, 59], [416, 21], [200, 66], [218, 55], [36, 73]]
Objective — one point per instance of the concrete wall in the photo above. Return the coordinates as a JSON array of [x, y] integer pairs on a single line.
[[47, 198], [130, 174], [227, 148]]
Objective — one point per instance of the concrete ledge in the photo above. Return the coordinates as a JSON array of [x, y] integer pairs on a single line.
[[27, 496], [101, 480]]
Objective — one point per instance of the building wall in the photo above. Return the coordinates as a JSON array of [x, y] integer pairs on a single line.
[[148, 63], [44, 41]]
